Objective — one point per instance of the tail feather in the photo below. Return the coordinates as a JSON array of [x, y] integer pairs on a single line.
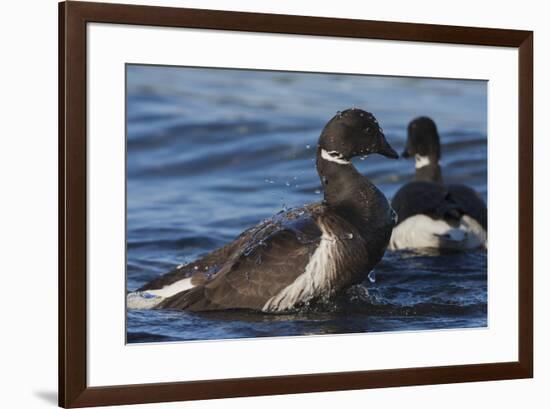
[[194, 299]]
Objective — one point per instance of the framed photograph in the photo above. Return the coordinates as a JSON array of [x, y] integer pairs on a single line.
[[255, 204]]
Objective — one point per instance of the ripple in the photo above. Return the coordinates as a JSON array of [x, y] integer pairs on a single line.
[[200, 146]]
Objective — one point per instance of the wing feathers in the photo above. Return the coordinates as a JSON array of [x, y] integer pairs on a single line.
[[439, 202], [266, 260]]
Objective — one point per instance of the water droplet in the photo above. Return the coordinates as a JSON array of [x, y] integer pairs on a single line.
[[196, 268], [372, 276], [317, 192], [287, 183], [308, 146]]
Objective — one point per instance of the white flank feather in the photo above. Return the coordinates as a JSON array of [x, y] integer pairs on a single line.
[[421, 231], [316, 279]]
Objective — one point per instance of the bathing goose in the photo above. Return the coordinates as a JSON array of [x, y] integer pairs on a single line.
[[300, 255]]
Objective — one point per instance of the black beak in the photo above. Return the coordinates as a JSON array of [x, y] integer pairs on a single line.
[[387, 150]]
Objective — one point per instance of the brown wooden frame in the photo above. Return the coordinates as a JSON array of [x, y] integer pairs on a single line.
[[73, 388]]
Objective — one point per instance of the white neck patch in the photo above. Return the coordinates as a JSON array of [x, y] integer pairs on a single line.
[[334, 156], [421, 161]]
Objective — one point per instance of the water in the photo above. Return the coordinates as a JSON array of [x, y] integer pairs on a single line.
[[213, 152]]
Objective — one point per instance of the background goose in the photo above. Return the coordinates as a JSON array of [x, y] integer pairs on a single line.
[[430, 213], [300, 255]]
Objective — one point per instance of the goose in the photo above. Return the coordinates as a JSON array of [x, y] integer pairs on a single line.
[[430, 213], [301, 255]]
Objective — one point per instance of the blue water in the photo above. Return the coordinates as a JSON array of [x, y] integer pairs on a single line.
[[212, 152]]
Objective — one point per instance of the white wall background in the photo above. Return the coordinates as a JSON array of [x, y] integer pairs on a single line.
[[28, 202]]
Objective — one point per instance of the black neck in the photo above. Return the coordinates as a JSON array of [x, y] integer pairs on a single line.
[[354, 197], [429, 173], [345, 187]]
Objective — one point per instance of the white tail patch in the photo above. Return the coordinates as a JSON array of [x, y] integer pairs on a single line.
[[316, 279], [421, 231], [150, 298], [476, 232], [141, 300]]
